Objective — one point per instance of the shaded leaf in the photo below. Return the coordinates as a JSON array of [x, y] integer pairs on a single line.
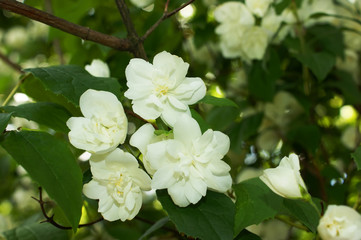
[[52, 165], [211, 218], [219, 118], [221, 102], [308, 136], [48, 114], [201, 122], [72, 81], [320, 63], [246, 235], [157, 225], [36, 231], [255, 203], [4, 120], [357, 157]]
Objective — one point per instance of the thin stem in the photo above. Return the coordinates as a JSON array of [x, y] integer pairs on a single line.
[[13, 91], [137, 45], [165, 15], [291, 223], [51, 218], [152, 223], [63, 25], [13, 65]]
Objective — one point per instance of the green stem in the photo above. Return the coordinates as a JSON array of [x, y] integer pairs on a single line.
[[13, 91], [291, 223]]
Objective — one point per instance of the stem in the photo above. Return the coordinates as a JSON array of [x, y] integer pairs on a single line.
[[137, 45], [51, 218], [65, 26], [13, 65], [291, 223], [164, 17], [13, 91]]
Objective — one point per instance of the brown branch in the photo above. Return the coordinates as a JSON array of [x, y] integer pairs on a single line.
[[61, 24], [130, 112], [51, 218], [165, 15], [138, 48], [13, 65]]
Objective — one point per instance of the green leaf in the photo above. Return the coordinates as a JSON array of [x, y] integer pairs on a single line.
[[244, 130], [160, 223], [348, 87], [4, 120], [48, 114], [282, 5], [320, 63], [303, 211], [357, 157], [211, 218], [221, 102], [52, 165], [219, 118], [308, 136], [36, 231], [327, 38], [71, 81], [246, 235], [201, 122], [261, 82], [255, 203]]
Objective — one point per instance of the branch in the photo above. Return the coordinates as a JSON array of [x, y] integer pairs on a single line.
[[61, 24], [51, 218], [165, 15], [13, 65], [138, 48]]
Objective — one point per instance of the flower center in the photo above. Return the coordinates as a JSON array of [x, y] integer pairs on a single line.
[[161, 90]]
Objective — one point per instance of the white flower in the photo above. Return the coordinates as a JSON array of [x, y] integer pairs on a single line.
[[142, 138], [146, 5], [190, 163], [340, 223], [118, 184], [162, 89], [350, 137], [258, 7], [98, 68], [285, 180], [254, 43], [104, 125], [283, 109], [234, 19]]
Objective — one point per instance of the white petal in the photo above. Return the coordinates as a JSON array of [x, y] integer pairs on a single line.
[[171, 114], [156, 154], [98, 68], [190, 91], [186, 129], [142, 137], [192, 194], [94, 190], [177, 193], [146, 110], [111, 214], [141, 179], [177, 104], [163, 177]]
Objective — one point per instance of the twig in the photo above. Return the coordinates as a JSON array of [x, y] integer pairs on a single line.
[[165, 15], [138, 48], [13, 91], [51, 218], [13, 65], [69, 27], [289, 222]]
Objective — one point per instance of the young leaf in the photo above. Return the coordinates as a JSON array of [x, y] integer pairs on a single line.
[[52, 165], [48, 114], [72, 81], [4, 120], [255, 203], [211, 218], [357, 157], [221, 102]]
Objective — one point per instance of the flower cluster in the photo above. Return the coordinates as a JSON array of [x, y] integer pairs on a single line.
[[184, 161], [240, 36]]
